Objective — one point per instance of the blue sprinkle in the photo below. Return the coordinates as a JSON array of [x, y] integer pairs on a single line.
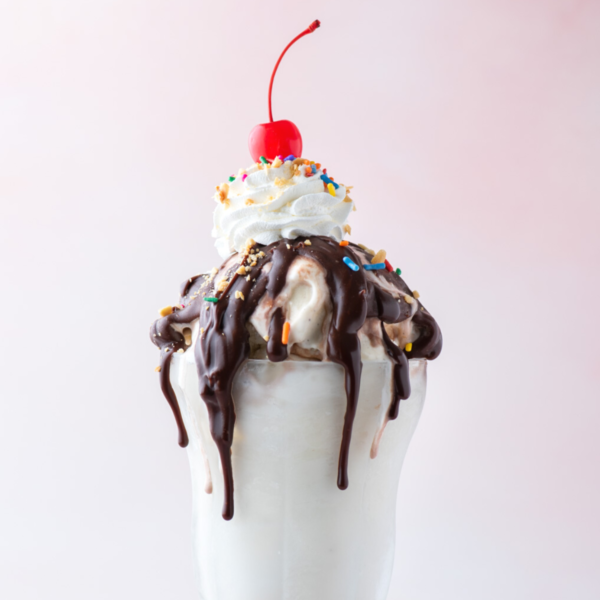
[[314, 168], [290, 157], [327, 180], [375, 267], [350, 263]]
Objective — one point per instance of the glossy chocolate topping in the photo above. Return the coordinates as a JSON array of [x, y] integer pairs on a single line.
[[223, 342]]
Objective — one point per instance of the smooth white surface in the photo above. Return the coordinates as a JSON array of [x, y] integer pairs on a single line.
[[294, 534], [117, 118]]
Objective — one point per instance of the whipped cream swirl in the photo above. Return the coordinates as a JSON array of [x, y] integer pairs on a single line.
[[275, 202]]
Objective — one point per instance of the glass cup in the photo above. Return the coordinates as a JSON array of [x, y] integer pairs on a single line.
[[294, 534]]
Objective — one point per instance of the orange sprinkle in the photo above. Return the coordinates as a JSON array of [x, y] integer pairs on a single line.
[[344, 243], [285, 334]]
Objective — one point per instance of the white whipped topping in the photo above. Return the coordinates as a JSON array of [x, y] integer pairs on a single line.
[[272, 203]]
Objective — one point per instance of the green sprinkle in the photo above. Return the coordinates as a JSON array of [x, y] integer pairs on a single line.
[[211, 299], [398, 272], [231, 178], [263, 160]]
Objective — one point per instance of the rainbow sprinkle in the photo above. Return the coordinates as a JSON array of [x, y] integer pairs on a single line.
[[263, 160], [331, 189], [375, 267], [210, 299], [314, 169], [285, 334], [388, 266], [408, 347], [244, 176], [232, 178], [398, 272], [329, 181], [344, 243], [350, 263], [290, 157]]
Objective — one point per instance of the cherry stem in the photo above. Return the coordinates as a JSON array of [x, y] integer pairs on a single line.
[[310, 29]]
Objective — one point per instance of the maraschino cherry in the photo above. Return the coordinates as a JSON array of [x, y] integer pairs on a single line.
[[277, 138]]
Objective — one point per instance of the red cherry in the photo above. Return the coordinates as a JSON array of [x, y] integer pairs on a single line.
[[277, 137]]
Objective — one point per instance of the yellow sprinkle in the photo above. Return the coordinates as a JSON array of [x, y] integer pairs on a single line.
[[167, 310], [331, 189], [379, 257], [416, 294], [266, 338], [408, 299], [307, 243], [239, 295], [408, 347], [157, 369]]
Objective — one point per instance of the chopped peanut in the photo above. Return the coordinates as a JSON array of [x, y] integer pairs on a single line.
[[379, 257]]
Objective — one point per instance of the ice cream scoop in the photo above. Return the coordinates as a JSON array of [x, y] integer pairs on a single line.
[[250, 294]]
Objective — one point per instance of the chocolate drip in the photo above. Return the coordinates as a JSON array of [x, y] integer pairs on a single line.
[[223, 343], [401, 375], [276, 350], [173, 342], [184, 288], [429, 343]]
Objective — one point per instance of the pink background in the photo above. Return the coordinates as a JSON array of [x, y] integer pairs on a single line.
[[471, 132]]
